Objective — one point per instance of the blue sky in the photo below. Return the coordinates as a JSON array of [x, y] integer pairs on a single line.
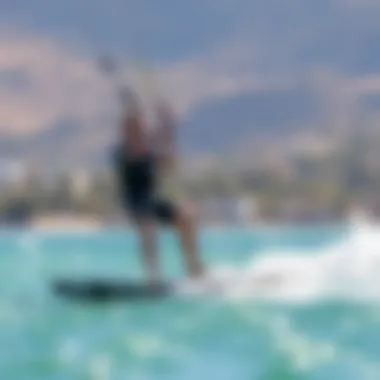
[[47, 71], [202, 49], [167, 29]]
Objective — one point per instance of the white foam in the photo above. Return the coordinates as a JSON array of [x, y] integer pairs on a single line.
[[347, 269]]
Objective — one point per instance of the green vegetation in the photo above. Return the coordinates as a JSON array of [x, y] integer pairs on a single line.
[[329, 183]]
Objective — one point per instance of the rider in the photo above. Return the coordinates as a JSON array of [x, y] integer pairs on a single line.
[[145, 165]]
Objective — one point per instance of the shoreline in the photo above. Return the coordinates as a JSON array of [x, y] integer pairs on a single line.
[[70, 222], [202, 228]]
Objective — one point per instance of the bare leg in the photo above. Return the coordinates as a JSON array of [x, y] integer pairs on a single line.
[[148, 239], [188, 235]]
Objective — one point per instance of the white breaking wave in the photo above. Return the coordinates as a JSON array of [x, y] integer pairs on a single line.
[[349, 269]]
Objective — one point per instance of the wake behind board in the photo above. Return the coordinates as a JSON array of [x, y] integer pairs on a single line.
[[94, 290]]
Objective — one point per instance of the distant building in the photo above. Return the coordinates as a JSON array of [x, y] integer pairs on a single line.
[[229, 210], [247, 210], [80, 183], [12, 172]]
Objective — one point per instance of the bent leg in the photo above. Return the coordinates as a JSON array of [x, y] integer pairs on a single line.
[[148, 240], [188, 234], [178, 217]]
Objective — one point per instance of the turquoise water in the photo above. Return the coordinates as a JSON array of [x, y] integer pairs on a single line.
[[42, 337]]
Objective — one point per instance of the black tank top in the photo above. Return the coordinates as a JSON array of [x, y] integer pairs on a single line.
[[136, 176]]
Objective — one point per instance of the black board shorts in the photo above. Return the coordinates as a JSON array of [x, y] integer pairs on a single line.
[[161, 210]]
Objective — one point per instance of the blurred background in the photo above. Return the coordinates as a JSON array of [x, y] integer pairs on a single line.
[[278, 115], [277, 105]]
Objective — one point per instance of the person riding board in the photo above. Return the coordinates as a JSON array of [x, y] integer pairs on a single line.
[[145, 163]]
